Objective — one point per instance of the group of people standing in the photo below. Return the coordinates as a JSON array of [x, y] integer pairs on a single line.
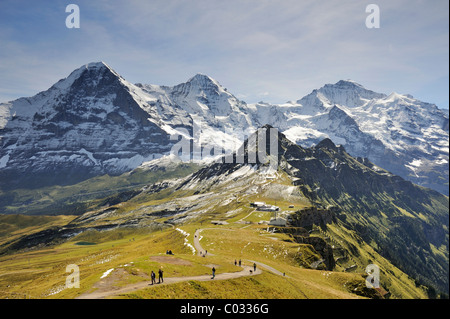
[[240, 263], [160, 276]]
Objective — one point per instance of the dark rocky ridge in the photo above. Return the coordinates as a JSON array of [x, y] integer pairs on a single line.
[[310, 216], [405, 219]]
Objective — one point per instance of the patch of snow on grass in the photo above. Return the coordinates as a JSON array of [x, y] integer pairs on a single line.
[[186, 243], [106, 273]]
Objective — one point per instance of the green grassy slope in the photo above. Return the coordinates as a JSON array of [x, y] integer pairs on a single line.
[[376, 218], [40, 272]]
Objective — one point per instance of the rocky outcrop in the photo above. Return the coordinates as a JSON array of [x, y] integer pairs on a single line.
[[301, 235], [310, 216], [321, 247]]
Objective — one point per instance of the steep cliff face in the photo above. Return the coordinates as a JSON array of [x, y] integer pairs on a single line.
[[85, 125], [320, 246], [308, 217]]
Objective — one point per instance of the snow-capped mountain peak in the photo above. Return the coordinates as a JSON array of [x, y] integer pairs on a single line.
[[201, 80], [391, 130], [200, 85], [95, 119], [202, 94], [88, 123], [348, 93], [350, 84], [94, 69]]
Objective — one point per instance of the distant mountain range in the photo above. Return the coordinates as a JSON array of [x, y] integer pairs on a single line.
[[95, 122]]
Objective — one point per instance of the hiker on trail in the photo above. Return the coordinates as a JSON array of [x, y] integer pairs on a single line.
[[160, 276], [235, 262], [213, 273], [239, 263], [153, 276], [254, 266]]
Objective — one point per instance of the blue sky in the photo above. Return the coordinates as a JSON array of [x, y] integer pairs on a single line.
[[260, 50]]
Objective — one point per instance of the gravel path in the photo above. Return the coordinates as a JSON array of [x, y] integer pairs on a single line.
[[247, 271], [109, 291]]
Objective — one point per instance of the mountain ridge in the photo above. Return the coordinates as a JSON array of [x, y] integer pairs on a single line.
[[401, 220], [397, 132]]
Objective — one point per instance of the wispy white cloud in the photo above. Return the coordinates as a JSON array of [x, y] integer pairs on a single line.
[[285, 47]]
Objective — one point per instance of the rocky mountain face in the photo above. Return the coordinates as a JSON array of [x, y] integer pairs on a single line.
[[85, 125], [397, 132], [95, 122]]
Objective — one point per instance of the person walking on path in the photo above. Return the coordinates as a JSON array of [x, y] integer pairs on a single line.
[[254, 267], [235, 262], [160, 276], [153, 276], [239, 263], [213, 273]]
